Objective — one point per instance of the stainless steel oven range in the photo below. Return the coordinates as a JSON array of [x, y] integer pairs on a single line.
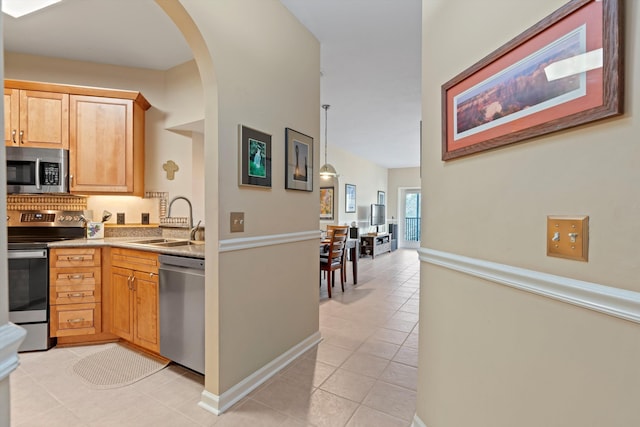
[[29, 232]]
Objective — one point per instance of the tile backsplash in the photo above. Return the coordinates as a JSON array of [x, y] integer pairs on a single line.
[[58, 202]]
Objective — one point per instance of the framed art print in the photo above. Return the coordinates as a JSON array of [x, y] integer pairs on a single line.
[[255, 157], [564, 71], [349, 198], [298, 161], [326, 203]]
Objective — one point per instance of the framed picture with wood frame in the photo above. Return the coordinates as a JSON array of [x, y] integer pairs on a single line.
[[326, 203], [564, 71], [255, 157]]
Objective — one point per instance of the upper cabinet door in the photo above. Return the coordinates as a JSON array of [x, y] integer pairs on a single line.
[[36, 119], [11, 116], [105, 155]]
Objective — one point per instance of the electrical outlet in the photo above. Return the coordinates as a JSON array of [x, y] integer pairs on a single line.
[[237, 222]]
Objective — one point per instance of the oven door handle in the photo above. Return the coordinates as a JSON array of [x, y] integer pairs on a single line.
[[26, 254]]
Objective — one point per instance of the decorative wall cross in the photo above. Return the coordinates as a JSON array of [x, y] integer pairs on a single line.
[[171, 168]]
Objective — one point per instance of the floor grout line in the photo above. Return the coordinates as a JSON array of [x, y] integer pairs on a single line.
[[353, 319]]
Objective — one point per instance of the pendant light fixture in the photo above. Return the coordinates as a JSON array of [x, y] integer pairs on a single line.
[[327, 170]]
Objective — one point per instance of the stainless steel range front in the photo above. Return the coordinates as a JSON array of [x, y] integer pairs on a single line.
[[29, 232]]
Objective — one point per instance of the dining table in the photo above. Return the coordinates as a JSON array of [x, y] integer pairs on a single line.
[[353, 248]]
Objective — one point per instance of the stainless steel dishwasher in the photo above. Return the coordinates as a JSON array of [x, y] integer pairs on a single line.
[[182, 310]]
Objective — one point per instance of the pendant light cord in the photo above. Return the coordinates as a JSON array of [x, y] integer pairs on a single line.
[[326, 107]]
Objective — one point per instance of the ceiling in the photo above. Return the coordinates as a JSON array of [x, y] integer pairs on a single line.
[[370, 60]]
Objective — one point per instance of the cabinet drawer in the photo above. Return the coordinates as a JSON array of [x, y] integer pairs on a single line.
[[75, 276], [135, 260], [75, 257], [74, 294], [75, 285], [75, 319]]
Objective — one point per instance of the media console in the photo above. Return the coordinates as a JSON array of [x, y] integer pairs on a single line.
[[375, 245]]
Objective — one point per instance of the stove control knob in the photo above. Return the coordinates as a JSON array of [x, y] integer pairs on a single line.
[[61, 219], [76, 218], [69, 218]]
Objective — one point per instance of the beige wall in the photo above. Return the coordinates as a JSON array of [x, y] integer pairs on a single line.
[[491, 355], [368, 178], [270, 289], [400, 178], [269, 303], [184, 89], [258, 89]]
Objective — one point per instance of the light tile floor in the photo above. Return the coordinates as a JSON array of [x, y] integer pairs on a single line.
[[363, 373]]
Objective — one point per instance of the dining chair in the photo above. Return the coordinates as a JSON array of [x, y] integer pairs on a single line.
[[334, 258], [330, 229]]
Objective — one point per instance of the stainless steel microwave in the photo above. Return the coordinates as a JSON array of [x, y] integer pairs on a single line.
[[37, 170]]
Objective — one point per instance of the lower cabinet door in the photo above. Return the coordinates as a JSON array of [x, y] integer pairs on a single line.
[[146, 311], [121, 303]]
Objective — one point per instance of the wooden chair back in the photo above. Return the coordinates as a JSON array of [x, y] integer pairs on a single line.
[[338, 240]]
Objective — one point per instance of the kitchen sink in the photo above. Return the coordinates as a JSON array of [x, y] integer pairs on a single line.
[[167, 243], [155, 241], [177, 243]]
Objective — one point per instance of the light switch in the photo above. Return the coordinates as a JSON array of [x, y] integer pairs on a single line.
[[568, 237], [237, 222]]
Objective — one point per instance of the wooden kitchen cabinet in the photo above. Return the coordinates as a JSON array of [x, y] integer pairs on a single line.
[[134, 297], [104, 130], [35, 118], [75, 291], [106, 154]]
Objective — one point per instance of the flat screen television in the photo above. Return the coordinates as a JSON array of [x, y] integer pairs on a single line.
[[377, 214]]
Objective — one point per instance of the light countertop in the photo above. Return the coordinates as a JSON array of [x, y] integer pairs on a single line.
[[193, 251]]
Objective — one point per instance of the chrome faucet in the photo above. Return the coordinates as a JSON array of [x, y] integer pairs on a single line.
[[190, 209], [194, 231]]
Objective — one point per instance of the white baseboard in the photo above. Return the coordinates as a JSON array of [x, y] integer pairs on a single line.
[[218, 404], [417, 422], [609, 300], [11, 336]]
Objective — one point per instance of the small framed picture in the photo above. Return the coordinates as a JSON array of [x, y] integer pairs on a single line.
[[381, 198], [349, 198], [255, 157], [298, 161], [326, 203]]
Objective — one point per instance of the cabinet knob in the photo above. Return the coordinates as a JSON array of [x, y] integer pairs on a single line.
[[21, 137], [13, 136]]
